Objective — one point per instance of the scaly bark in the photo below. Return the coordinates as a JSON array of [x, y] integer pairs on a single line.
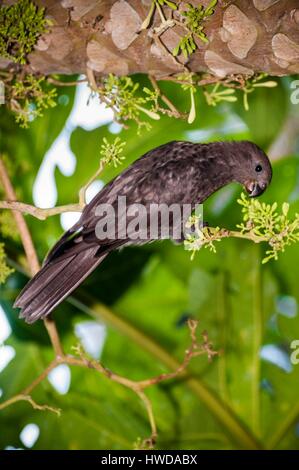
[[104, 35]]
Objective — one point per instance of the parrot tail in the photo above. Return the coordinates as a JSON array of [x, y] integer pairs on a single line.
[[58, 277]]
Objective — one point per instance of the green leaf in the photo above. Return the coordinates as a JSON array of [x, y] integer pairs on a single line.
[[265, 113]]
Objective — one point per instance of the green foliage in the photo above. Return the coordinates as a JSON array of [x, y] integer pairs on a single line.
[[120, 93], [5, 270], [261, 223], [203, 236], [216, 96], [21, 25], [228, 88], [170, 4], [264, 221], [267, 111], [30, 97], [128, 100], [8, 226], [194, 16], [255, 82], [112, 152], [186, 45], [193, 19]]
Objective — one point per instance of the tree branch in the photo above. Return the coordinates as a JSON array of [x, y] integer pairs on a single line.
[[38, 212], [30, 252], [138, 387], [44, 213]]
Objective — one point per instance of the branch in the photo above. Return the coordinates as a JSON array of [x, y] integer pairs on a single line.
[[30, 252], [261, 223], [193, 351], [20, 221], [82, 191], [33, 403], [61, 83], [138, 387], [43, 214], [174, 111], [38, 212]]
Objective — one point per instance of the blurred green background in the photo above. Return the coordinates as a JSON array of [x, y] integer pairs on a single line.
[[139, 298]]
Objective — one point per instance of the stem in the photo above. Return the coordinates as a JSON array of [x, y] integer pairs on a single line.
[[164, 98], [283, 429], [192, 113], [147, 20], [223, 320], [20, 221], [257, 341], [149, 409], [36, 406], [91, 80], [82, 192], [41, 213], [160, 11], [244, 235], [42, 376], [54, 336], [59, 83]]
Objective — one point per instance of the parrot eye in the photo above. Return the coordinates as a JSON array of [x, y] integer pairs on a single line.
[[258, 168]]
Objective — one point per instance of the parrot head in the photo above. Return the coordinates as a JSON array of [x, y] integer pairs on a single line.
[[252, 168]]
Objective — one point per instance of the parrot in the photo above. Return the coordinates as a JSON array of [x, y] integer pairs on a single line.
[[178, 172]]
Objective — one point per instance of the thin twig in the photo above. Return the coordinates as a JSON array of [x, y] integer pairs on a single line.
[[91, 79], [36, 406], [82, 192], [176, 113], [60, 83]]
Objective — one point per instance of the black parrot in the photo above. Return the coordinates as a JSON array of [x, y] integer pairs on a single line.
[[176, 172]]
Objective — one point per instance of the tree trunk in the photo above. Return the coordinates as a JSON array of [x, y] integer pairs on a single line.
[[104, 35]]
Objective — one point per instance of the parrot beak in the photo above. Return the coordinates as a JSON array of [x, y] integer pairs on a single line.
[[254, 189]]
